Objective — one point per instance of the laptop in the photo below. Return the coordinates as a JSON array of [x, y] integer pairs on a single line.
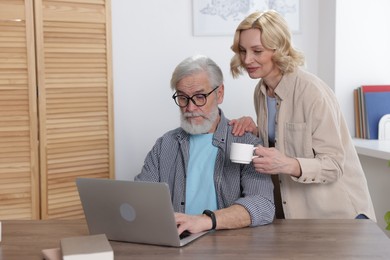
[[129, 211]]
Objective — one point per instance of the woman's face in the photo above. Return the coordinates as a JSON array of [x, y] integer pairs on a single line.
[[256, 59]]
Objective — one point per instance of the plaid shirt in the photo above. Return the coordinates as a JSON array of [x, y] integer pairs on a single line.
[[234, 183]]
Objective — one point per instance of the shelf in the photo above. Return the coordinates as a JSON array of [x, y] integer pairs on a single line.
[[373, 148]]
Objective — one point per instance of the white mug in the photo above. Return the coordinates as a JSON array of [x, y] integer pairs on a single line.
[[242, 153]]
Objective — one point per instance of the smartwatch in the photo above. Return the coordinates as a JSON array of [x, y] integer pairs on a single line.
[[211, 214]]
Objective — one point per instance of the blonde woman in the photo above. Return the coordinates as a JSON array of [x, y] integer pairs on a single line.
[[307, 149]]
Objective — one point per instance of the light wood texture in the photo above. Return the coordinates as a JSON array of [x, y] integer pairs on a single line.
[[75, 100], [284, 239], [19, 176], [56, 112]]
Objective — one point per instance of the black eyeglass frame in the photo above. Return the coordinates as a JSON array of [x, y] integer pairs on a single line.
[[175, 95]]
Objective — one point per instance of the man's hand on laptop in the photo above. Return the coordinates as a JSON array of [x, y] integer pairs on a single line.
[[192, 223]]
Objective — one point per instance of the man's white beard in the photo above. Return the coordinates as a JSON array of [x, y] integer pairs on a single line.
[[195, 129]]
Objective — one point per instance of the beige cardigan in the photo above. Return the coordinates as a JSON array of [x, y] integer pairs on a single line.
[[310, 127]]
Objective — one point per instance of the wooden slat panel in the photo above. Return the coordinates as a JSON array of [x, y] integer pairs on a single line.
[[12, 10], [101, 2], [69, 11], [75, 87], [19, 194]]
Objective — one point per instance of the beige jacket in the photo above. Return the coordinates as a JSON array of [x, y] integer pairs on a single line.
[[311, 128]]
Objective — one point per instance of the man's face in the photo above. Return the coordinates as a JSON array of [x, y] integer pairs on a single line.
[[203, 119]]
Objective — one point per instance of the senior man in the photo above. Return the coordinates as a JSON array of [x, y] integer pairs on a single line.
[[208, 191]]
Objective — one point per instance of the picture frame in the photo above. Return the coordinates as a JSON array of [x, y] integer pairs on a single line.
[[221, 17]]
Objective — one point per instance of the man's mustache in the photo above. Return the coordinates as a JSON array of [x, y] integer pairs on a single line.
[[193, 114]]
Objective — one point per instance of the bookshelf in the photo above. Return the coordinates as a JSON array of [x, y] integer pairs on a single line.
[[373, 148], [374, 156]]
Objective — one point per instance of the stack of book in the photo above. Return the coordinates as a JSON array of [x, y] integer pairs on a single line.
[[371, 103], [92, 247]]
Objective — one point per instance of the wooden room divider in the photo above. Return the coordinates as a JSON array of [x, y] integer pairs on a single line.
[[56, 111]]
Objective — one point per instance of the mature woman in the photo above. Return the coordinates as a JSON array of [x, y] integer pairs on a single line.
[[307, 145]]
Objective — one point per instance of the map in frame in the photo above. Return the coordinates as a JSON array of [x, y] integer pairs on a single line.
[[221, 17]]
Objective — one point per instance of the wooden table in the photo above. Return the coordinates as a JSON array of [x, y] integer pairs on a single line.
[[284, 239]]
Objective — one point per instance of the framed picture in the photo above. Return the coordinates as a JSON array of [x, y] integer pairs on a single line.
[[221, 17]]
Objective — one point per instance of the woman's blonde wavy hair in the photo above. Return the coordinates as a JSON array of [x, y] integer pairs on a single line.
[[275, 35]]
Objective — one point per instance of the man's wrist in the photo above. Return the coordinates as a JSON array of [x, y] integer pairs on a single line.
[[211, 215]]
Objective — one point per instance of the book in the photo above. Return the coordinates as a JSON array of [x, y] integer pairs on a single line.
[[362, 114], [92, 247], [377, 104], [375, 88], [365, 125], [52, 254], [357, 113]]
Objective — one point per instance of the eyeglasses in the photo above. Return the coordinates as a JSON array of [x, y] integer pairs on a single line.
[[199, 100]]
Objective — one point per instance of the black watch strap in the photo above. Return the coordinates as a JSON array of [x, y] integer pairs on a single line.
[[211, 214]]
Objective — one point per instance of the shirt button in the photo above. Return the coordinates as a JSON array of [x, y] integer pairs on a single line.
[[284, 202], [313, 179]]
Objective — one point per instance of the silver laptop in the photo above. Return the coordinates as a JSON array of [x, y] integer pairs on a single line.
[[139, 212]]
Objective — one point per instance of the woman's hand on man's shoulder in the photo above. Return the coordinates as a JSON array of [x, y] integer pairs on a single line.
[[242, 125]]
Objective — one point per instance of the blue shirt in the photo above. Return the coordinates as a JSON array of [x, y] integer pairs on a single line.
[[200, 190], [234, 183], [271, 106]]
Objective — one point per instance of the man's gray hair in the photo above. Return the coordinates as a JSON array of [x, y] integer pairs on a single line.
[[196, 64]]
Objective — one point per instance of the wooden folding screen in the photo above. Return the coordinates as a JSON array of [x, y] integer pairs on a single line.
[[19, 179], [73, 90]]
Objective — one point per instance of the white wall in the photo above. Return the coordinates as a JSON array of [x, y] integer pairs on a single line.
[[149, 39], [362, 57], [362, 49], [326, 41]]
